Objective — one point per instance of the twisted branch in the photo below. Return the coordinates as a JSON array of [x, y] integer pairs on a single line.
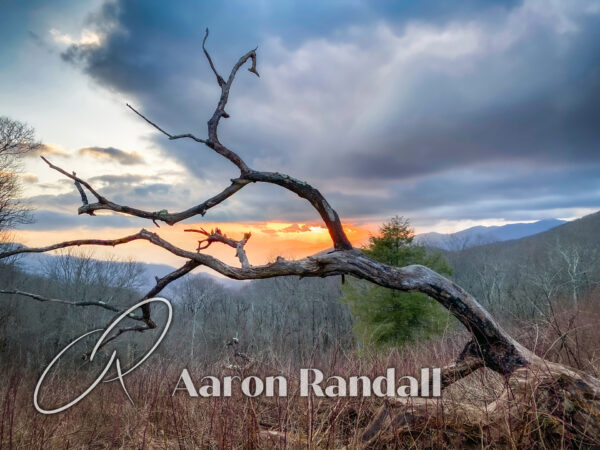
[[491, 345], [217, 235], [247, 175], [497, 349], [162, 215]]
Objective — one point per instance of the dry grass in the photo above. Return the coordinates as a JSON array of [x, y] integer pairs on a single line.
[[105, 419]]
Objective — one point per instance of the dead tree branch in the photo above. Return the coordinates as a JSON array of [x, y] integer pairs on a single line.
[[217, 236], [161, 283], [162, 215], [171, 137], [220, 79], [247, 175], [491, 346], [500, 351], [41, 298]]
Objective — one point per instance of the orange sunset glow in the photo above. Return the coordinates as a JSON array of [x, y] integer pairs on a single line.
[[269, 240]]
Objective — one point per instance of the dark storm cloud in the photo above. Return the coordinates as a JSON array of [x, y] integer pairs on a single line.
[[112, 154], [13, 15], [400, 93], [560, 127], [480, 193]]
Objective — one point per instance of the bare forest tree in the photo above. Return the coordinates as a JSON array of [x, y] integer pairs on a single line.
[[272, 319], [16, 139], [554, 385]]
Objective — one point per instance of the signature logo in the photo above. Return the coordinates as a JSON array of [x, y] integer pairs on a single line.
[[113, 358]]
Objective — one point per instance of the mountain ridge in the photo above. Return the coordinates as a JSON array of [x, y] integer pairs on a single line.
[[482, 235]]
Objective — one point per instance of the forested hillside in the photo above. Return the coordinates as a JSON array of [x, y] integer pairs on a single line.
[[519, 280], [525, 278], [543, 288], [285, 317]]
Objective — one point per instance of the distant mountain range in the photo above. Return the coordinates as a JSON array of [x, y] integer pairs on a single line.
[[582, 233], [462, 240], [577, 241], [481, 235]]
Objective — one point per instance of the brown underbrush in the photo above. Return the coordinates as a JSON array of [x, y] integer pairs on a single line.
[[461, 418]]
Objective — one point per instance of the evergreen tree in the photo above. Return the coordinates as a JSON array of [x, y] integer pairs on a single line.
[[388, 317]]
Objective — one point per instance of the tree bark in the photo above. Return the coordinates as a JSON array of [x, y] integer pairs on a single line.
[[553, 386]]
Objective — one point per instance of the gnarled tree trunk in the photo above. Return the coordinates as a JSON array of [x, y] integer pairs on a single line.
[[568, 397]]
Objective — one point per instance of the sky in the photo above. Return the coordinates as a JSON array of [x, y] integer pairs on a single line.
[[450, 114]]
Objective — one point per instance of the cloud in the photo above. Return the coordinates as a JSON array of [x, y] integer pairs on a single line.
[[296, 228], [30, 178], [87, 38], [126, 189], [46, 150], [150, 189], [408, 104], [125, 178], [478, 193], [112, 154], [49, 220]]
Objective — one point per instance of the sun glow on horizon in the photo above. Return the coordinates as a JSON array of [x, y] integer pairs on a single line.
[[269, 240]]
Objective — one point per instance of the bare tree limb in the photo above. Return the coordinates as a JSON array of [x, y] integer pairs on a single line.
[[498, 349], [213, 123], [300, 188], [75, 243], [170, 136], [76, 179], [217, 236], [491, 346], [161, 283], [162, 215], [220, 79], [41, 298], [495, 348], [241, 253], [82, 193]]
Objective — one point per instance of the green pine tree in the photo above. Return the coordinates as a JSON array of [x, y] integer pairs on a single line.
[[388, 317]]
